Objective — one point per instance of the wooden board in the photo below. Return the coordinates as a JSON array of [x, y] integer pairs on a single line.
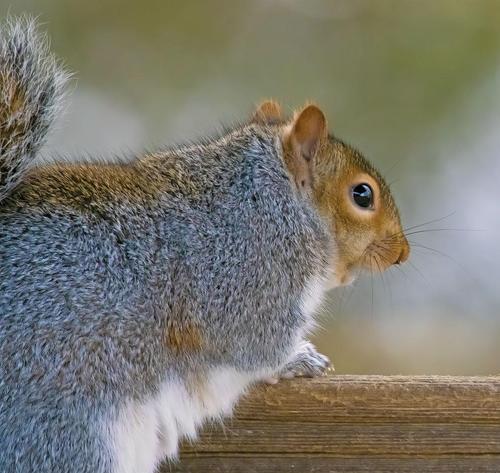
[[356, 423]]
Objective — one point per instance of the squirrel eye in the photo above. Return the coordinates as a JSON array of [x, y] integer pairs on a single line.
[[362, 195]]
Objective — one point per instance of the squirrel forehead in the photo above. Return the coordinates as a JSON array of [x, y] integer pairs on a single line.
[[341, 159]]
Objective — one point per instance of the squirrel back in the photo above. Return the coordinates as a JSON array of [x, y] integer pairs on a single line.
[[31, 93]]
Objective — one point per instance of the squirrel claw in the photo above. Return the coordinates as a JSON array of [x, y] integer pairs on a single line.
[[270, 380]]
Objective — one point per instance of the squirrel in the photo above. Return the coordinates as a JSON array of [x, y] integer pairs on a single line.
[[139, 300]]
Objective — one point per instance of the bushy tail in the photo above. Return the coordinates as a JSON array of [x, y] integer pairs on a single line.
[[31, 92]]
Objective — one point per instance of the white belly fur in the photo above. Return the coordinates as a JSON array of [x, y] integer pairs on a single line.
[[144, 434]]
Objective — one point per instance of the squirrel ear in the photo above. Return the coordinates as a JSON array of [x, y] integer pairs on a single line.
[[267, 112], [301, 140], [308, 130]]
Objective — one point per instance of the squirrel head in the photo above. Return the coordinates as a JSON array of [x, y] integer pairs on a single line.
[[348, 192]]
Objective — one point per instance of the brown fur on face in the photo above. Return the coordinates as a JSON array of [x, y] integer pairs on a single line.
[[366, 238], [370, 239]]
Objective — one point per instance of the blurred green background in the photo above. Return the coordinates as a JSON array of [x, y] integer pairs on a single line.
[[415, 85]]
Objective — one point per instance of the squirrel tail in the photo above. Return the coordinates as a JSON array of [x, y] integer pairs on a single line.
[[32, 85]]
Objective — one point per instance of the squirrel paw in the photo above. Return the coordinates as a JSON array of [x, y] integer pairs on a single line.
[[307, 362]]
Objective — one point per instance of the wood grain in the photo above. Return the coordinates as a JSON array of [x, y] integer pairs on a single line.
[[356, 423]]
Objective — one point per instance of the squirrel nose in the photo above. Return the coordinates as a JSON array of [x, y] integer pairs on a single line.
[[405, 252]]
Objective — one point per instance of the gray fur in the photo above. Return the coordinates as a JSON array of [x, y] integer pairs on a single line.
[[98, 261]]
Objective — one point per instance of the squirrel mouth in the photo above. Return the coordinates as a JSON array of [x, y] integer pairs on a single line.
[[380, 255]]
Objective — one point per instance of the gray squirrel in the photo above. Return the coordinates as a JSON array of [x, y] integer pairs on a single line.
[[139, 300]]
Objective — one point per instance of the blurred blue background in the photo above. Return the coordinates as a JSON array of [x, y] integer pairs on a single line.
[[414, 85]]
